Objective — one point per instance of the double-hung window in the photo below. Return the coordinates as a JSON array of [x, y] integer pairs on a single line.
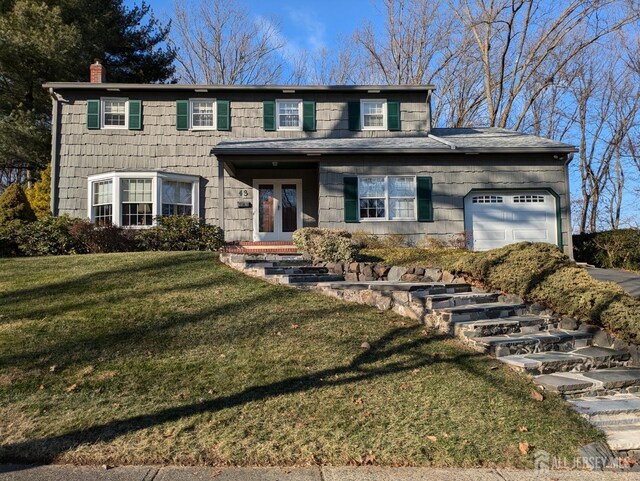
[[289, 114], [114, 113], [176, 198], [203, 114], [387, 197], [103, 202], [374, 116], [137, 202]]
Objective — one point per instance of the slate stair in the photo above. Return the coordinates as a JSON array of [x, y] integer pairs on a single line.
[[595, 380]]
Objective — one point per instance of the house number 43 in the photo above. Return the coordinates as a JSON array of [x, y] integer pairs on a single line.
[[244, 193]]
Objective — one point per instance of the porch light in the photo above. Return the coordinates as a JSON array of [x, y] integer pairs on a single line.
[[373, 91], [288, 91], [201, 90], [275, 164]]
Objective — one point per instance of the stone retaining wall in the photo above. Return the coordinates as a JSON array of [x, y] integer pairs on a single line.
[[373, 271]]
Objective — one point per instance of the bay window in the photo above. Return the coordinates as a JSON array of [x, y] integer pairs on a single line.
[[135, 199], [387, 197]]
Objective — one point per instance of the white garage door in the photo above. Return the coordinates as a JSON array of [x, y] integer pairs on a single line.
[[495, 219]]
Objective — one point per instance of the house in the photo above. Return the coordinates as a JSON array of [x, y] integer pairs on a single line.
[[263, 161]]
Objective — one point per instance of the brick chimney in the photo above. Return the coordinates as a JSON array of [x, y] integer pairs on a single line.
[[97, 73]]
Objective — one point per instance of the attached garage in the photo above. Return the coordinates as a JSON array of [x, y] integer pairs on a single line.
[[495, 218]]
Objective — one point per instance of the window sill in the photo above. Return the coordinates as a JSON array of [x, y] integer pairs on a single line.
[[387, 220]]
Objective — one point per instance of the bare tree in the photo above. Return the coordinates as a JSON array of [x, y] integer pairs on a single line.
[[524, 45], [219, 42]]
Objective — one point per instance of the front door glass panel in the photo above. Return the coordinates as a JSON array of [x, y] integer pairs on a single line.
[[289, 207], [266, 206]]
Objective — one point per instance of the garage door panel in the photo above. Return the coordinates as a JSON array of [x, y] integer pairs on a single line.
[[498, 218]]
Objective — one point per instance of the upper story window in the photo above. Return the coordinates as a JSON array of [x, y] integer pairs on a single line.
[[374, 115], [289, 114], [387, 198], [203, 114], [114, 113]]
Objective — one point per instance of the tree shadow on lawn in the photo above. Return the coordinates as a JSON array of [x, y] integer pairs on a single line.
[[364, 367]]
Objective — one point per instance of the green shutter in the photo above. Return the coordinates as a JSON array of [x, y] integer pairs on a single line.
[[269, 114], [425, 204], [223, 121], [351, 199], [93, 114], [354, 115], [182, 114], [309, 115], [135, 114], [393, 115]]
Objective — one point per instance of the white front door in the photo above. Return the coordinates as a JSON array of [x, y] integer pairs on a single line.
[[498, 218], [277, 209]]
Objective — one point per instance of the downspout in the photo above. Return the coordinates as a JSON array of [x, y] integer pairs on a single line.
[[568, 206], [55, 149]]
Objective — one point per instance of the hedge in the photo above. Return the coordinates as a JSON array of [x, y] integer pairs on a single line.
[[327, 244], [541, 273], [615, 248]]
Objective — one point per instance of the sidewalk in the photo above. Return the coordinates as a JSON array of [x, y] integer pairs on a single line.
[[154, 473]]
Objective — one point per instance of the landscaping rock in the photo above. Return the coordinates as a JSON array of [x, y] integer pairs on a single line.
[[434, 275], [511, 299], [351, 276], [597, 456], [419, 271], [602, 338], [410, 278], [354, 267], [590, 328], [381, 270], [396, 273], [448, 277], [568, 323]]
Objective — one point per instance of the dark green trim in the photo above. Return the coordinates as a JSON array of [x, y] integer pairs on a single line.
[[424, 189], [354, 116], [393, 115], [135, 114], [269, 115], [309, 115], [93, 114], [182, 114], [555, 195], [350, 199], [223, 117]]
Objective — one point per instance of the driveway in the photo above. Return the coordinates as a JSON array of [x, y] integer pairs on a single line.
[[629, 281]]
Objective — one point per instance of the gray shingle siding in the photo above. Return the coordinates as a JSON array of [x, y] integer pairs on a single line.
[[159, 145]]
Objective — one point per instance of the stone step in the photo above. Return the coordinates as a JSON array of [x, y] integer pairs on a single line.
[[401, 286], [502, 325], [523, 343], [595, 382], [580, 359], [476, 312], [441, 301], [616, 404], [307, 278], [281, 270], [624, 437]]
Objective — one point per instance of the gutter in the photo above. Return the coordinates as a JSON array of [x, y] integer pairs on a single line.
[[320, 151], [55, 149]]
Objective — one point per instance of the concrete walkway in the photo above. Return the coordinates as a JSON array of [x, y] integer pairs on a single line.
[[629, 281], [154, 473]]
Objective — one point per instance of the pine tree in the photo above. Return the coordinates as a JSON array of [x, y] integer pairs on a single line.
[[15, 206]]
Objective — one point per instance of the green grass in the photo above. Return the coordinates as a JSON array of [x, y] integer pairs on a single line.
[[175, 358]]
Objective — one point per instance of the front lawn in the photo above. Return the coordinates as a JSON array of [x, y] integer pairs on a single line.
[[163, 358]]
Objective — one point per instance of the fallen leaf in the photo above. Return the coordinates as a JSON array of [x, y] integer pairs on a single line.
[[369, 459], [357, 400], [524, 448], [149, 354], [72, 388], [365, 345], [295, 326], [53, 368], [41, 387], [415, 371], [278, 333], [537, 395], [433, 439], [523, 429]]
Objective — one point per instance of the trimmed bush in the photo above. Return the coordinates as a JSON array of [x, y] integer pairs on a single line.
[[180, 233], [15, 206], [541, 273], [327, 244], [48, 236], [614, 248], [103, 239]]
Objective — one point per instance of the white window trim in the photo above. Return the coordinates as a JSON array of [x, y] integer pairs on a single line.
[[215, 114], [300, 119], [386, 217], [103, 113], [156, 189], [384, 114]]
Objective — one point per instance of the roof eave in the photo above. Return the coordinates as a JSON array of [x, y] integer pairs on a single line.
[[269, 88], [267, 151]]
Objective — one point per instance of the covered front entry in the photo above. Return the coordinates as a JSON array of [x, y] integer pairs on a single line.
[[277, 209]]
